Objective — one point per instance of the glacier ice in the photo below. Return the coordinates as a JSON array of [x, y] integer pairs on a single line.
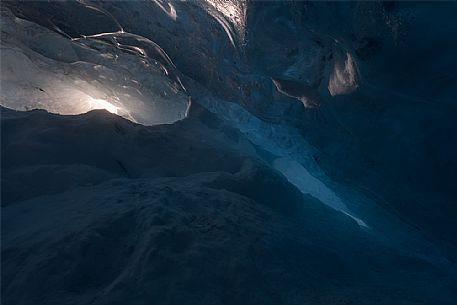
[[123, 73]]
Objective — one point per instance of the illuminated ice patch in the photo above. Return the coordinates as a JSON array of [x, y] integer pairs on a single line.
[[102, 104], [124, 73], [308, 184]]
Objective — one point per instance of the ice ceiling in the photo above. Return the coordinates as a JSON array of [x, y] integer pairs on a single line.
[[132, 76], [126, 74]]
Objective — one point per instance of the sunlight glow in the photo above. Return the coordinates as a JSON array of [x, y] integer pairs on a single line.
[[102, 104]]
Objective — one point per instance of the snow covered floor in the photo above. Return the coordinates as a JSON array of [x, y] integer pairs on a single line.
[[184, 214]]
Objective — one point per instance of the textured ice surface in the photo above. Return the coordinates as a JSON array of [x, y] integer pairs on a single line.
[[123, 73], [343, 79]]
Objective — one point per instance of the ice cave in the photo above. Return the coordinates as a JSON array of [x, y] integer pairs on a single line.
[[212, 152]]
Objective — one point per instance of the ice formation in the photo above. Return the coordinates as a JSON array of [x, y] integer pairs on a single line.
[[343, 79], [120, 72]]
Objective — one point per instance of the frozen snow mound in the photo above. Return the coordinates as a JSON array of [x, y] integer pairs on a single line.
[[126, 74], [136, 214]]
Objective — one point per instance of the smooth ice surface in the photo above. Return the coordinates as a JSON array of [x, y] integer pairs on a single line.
[[308, 184]]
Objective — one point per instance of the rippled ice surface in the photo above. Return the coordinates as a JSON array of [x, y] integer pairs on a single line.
[[123, 73]]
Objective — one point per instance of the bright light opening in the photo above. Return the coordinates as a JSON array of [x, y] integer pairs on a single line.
[[102, 104]]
